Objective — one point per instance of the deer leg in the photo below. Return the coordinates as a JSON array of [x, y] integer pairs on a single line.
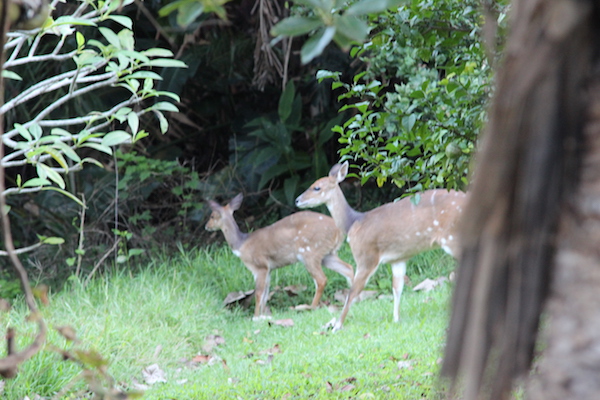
[[364, 270], [314, 268], [398, 273], [262, 280], [334, 263]]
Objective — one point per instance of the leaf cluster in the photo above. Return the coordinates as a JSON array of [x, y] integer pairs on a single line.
[[330, 20], [421, 102]]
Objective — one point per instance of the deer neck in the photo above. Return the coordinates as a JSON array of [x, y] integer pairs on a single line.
[[341, 212], [234, 237]]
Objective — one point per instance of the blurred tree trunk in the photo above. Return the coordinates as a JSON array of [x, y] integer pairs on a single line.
[[569, 368], [532, 227]]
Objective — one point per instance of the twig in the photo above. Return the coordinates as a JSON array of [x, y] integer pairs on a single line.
[[10, 363], [87, 280], [81, 236], [22, 250]]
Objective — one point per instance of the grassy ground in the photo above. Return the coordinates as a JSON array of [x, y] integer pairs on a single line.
[[164, 314]]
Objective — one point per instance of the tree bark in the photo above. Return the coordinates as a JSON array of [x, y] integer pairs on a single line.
[[532, 226], [570, 365]]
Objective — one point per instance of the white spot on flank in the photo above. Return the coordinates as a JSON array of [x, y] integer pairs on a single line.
[[453, 203], [308, 248], [320, 217], [236, 252], [418, 233], [443, 211], [301, 250], [436, 222], [443, 241], [429, 229], [450, 237]]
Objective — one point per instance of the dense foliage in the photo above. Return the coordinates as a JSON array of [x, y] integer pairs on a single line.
[[405, 108], [421, 100]]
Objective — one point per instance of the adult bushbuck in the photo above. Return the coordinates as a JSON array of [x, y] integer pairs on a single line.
[[391, 233], [305, 236]]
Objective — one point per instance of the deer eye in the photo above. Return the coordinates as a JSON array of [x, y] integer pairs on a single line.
[[316, 188]]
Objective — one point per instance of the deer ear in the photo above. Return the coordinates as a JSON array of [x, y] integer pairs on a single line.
[[213, 205], [339, 171], [236, 202]]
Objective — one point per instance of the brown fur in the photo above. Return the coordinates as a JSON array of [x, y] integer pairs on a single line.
[[309, 237], [391, 233]]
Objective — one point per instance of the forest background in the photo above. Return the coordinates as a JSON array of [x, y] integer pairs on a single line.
[[256, 115], [196, 100]]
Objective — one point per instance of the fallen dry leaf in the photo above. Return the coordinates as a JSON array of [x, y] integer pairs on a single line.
[[153, 374], [407, 364], [347, 387], [4, 305], [139, 386], [240, 297], [269, 360], [288, 322], [212, 341], [273, 350], [429, 284], [68, 332], [202, 358], [328, 387], [301, 307], [294, 290], [341, 295]]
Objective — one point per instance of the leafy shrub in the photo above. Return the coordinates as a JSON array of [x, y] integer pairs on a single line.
[[421, 101]]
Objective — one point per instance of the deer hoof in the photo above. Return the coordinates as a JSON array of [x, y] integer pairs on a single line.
[[261, 318], [330, 325], [302, 307]]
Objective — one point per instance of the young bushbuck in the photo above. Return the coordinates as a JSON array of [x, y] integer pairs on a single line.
[[391, 233], [305, 236]]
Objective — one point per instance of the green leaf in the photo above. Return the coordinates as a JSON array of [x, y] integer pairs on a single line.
[[144, 75], [35, 182], [134, 123], [165, 106], [67, 150], [290, 187], [69, 20], [52, 175], [164, 124], [316, 44], [23, 132], [11, 75], [65, 193], [166, 63], [36, 131], [189, 12], [110, 36], [53, 240], [364, 7], [158, 52], [80, 40], [286, 100], [172, 6], [296, 26], [115, 138], [98, 147], [324, 74], [123, 20], [352, 28]]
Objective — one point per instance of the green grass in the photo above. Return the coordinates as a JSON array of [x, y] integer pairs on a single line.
[[163, 314]]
